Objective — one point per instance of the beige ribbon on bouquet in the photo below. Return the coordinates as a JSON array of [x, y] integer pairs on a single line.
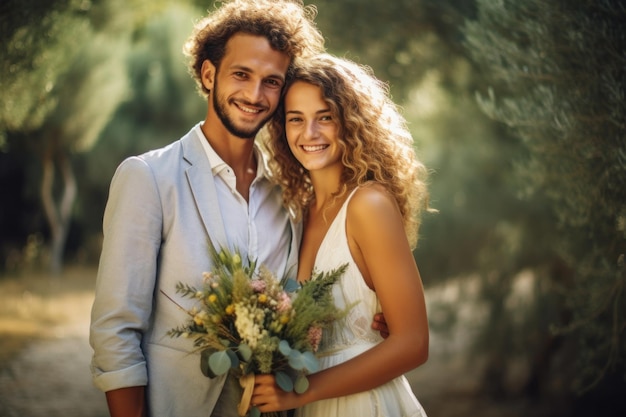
[[247, 383]]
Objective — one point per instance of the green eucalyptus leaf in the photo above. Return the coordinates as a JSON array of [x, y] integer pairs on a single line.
[[204, 363], [244, 352], [284, 381], [284, 347], [296, 360], [302, 384], [310, 362], [234, 359], [219, 362], [290, 285]]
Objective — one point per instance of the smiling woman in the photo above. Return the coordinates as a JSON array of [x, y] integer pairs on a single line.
[[344, 156], [311, 129]]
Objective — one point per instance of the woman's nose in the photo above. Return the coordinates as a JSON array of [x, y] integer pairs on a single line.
[[312, 130]]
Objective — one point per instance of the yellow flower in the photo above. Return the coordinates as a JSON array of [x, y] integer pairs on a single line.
[[200, 317], [212, 298], [284, 319], [236, 259], [230, 309], [262, 298]]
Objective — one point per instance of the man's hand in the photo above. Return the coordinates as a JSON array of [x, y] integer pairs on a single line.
[[380, 324]]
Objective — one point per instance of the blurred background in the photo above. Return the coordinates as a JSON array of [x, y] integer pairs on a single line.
[[518, 107]]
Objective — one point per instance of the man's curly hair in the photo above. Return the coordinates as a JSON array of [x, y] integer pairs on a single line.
[[376, 143], [287, 24]]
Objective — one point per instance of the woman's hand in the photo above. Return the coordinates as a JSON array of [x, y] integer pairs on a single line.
[[268, 396]]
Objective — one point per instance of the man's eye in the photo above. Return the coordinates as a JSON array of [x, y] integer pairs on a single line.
[[273, 83]]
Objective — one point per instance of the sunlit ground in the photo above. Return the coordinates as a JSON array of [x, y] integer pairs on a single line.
[[34, 306], [44, 353]]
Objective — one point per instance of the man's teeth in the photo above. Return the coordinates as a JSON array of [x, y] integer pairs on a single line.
[[313, 148], [248, 110]]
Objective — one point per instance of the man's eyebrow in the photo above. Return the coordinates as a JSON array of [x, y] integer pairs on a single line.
[[244, 68]]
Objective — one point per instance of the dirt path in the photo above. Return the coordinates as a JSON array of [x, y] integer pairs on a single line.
[[51, 378]]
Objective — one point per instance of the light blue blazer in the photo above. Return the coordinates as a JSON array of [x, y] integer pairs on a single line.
[[161, 215]]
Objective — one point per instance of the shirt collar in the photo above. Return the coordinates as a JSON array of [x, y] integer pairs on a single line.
[[218, 164]]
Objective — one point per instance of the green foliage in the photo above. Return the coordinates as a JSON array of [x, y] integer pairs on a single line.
[[245, 320], [401, 40], [39, 48], [66, 81], [558, 75]]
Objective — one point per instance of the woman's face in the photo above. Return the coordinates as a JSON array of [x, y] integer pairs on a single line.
[[311, 131]]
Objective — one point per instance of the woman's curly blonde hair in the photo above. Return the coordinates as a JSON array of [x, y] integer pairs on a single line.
[[377, 145], [288, 25]]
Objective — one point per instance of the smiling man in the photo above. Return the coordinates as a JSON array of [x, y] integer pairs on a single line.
[[167, 206]]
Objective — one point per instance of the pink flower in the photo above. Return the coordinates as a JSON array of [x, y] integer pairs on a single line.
[[315, 337], [284, 302], [258, 285]]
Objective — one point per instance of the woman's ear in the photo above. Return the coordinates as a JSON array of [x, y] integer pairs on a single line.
[[208, 74]]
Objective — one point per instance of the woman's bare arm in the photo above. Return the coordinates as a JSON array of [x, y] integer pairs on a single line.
[[376, 231]]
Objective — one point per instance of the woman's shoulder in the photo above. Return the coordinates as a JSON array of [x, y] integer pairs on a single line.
[[370, 201]]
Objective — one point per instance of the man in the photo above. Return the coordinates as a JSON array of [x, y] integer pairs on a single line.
[[167, 206]]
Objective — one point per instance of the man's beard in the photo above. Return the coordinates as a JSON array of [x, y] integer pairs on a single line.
[[220, 109]]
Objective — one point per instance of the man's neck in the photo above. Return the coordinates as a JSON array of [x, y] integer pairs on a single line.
[[237, 153]]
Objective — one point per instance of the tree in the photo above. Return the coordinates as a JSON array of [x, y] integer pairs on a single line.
[[401, 40], [63, 79], [163, 104], [558, 81]]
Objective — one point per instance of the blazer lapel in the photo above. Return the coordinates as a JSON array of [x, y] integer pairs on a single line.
[[200, 178], [294, 249]]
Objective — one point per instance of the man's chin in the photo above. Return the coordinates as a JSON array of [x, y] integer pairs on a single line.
[[249, 133], [245, 135]]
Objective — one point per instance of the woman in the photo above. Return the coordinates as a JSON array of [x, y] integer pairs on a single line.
[[344, 157]]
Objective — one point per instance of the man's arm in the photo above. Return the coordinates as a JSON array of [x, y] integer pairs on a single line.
[[127, 402], [125, 283]]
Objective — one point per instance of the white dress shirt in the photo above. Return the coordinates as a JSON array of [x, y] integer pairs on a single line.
[[256, 226]]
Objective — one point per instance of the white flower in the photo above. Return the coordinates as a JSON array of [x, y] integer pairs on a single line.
[[246, 322]]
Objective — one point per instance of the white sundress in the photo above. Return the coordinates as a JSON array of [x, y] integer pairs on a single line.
[[353, 335]]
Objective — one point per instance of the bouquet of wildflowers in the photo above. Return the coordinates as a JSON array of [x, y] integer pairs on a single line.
[[248, 322]]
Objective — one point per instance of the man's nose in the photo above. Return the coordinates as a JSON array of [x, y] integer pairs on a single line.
[[254, 92]]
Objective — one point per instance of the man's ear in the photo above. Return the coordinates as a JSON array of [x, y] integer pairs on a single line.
[[207, 74]]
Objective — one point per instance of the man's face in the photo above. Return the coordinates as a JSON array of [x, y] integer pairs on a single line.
[[247, 85]]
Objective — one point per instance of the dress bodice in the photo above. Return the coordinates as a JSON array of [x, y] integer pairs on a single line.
[[349, 291]]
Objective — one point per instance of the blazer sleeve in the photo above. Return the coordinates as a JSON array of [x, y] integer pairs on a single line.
[[125, 284]]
